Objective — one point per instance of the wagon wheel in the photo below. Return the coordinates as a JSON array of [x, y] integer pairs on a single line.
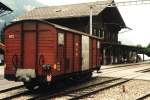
[[44, 86], [31, 86]]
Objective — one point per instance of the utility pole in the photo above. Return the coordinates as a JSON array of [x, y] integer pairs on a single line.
[[91, 8]]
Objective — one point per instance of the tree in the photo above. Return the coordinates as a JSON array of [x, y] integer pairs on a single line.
[[147, 49]]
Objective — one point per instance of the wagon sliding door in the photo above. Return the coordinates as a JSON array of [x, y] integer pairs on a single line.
[[61, 51], [85, 53], [77, 53], [29, 49]]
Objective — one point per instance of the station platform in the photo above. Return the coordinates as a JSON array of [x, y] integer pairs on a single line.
[[2, 69], [4, 84], [139, 71], [122, 65]]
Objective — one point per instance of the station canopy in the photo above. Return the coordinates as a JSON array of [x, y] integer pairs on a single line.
[[4, 9]]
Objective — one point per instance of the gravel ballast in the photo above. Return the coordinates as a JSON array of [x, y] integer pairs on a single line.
[[131, 90]]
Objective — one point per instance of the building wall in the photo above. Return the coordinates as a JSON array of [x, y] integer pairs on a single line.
[[106, 25]]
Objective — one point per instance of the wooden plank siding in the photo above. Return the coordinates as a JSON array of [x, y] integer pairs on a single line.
[[69, 52], [12, 42], [94, 53]]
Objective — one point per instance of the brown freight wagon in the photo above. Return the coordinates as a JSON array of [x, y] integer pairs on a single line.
[[40, 52]]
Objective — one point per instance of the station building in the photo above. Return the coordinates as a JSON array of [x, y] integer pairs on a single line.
[[106, 24]]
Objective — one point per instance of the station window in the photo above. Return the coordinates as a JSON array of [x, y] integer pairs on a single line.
[[94, 31], [102, 32], [98, 44], [99, 33], [61, 38]]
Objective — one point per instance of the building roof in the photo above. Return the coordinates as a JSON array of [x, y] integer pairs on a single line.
[[66, 11]]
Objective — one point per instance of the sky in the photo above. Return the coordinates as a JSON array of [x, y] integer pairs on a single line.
[[137, 17]]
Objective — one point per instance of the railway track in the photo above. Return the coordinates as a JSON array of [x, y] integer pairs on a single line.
[[83, 91], [144, 96], [73, 91], [17, 95], [13, 92], [144, 70], [73, 94], [10, 89], [22, 93], [88, 92]]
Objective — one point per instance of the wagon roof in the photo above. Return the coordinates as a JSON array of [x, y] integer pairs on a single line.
[[66, 11]]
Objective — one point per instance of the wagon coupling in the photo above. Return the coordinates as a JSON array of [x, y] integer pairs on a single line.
[[47, 69]]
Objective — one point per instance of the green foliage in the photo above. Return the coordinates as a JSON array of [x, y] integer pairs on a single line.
[[139, 45], [148, 46], [147, 49]]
